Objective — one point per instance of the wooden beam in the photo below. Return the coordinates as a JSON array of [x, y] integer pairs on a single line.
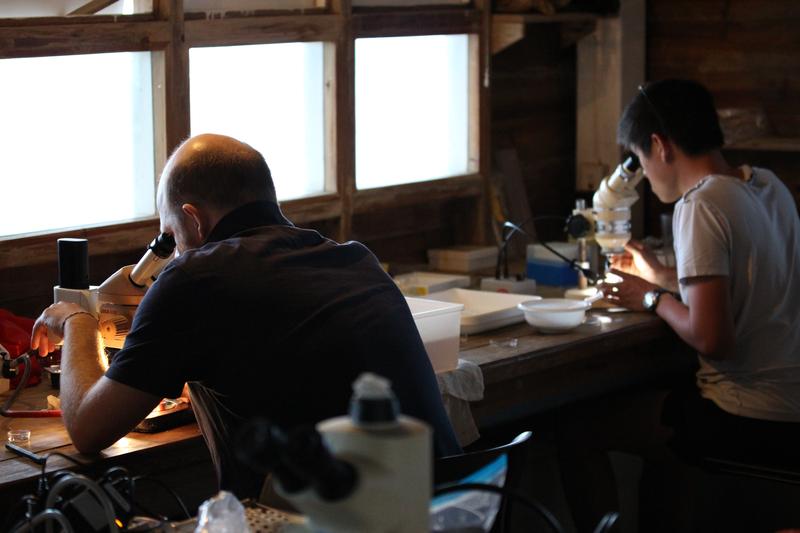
[[253, 30], [345, 119], [176, 74], [312, 209], [66, 39], [410, 23], [91, 7], [510, 28], [39, 249], [415, 193]]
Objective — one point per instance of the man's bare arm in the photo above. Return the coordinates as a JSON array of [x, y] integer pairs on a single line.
[[97, 411]]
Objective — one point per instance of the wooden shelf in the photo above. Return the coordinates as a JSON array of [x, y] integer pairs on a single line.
[[508, 28], [767, 144], [537, 18]]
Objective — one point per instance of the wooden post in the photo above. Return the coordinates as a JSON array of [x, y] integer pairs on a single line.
[[175, 65], [345, 118]]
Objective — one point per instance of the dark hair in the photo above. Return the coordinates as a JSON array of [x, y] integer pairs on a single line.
[[223, 177], [681, 110]]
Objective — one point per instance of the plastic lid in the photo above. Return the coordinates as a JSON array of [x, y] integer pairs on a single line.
[[373, 401]]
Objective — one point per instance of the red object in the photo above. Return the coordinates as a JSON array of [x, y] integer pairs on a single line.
[[15, 336]]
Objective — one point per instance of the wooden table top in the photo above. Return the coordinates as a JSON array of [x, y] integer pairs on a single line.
[[50, 435], [512, 375]]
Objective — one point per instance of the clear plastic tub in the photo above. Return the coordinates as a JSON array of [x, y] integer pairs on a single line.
[[439, 326]]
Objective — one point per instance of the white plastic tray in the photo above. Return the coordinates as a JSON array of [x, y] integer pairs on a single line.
[[484, 310], [422, 283]]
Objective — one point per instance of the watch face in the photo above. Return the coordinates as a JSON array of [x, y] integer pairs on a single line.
[[649, 300]]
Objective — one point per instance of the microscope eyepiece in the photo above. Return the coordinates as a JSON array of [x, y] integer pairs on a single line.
[[163, 245]]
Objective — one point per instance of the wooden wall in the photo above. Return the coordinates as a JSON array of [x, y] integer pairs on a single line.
[[533, 111], [747, 52]]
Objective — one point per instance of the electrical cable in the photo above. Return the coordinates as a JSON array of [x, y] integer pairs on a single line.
[[90, 486], [58, 454], [25, 360], [166, 487], [45, 517], [607, 522], [551, 520], [573, 263], [502, 255], [25, 500]]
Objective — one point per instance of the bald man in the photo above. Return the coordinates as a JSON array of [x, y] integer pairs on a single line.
[[259, 317]]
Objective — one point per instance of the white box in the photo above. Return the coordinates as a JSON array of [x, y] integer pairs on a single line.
[[509, 285], [439, 326], [463, 258], [485, 310], [422, 283], [539, 252]]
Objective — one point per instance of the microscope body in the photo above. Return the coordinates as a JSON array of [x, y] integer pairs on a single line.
[[394, 471], [611, 206], [115, 301]]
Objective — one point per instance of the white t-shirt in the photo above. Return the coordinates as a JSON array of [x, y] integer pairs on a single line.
[[750, 232]]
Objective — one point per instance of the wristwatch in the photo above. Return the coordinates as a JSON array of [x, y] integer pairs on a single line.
[[651, 298]]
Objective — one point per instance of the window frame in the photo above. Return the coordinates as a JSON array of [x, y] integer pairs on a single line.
[[169, 33]]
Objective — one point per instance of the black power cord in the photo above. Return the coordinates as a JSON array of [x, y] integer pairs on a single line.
[[167, 488], [592, 276]]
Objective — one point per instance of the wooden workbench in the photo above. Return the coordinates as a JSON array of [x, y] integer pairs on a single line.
[[609, 351]]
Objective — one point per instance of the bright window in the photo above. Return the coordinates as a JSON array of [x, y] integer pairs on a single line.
[[60, 8], [77, 141], [272, 97], [412, 109]]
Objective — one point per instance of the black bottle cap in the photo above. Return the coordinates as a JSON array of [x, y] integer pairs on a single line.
[[73, 263]]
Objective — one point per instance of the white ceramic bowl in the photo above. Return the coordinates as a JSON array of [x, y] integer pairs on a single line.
[[554, 315]]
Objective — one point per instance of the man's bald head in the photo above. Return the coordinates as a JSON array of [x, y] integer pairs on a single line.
[[218, 173]]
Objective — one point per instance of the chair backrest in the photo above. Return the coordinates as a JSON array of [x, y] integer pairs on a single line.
[[456, 467]]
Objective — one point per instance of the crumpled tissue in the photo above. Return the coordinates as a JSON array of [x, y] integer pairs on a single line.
[[222, 513]]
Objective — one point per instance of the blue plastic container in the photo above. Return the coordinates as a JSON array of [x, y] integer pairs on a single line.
[[556, 273]]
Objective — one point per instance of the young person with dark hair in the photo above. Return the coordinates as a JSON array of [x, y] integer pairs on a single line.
[[733, 295]]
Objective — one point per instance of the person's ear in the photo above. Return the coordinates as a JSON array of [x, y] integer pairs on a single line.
[[200, 221], [661, 148]]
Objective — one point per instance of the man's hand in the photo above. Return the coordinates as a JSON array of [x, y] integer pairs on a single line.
[[48, 330], [629, 293], [641, 262]]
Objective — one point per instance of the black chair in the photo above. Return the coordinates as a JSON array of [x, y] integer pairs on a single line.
[[451, 469], [770, 472]]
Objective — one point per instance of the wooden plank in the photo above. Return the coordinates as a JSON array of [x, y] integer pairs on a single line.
[[62, 21], [414, 193], [536, 18], [91, 7], [410, 23], [272, 29], [481, 119], [546, 371], [52, 40], [345, 120], [313, 208], [176, 74], [16, 252], [768, 144]]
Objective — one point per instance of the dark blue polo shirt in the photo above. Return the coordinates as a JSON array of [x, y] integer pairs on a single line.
[[270, 320]]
